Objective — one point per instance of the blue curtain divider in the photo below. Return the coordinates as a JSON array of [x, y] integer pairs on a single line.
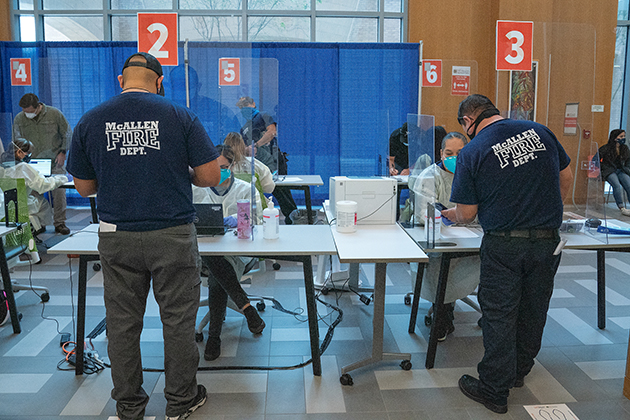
[[335, 103]]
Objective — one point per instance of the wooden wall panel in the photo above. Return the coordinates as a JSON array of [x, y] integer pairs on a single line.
[[574, 43], [5, 20]]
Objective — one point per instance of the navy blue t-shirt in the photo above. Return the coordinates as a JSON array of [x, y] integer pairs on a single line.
[[511, 171], [138, 147]]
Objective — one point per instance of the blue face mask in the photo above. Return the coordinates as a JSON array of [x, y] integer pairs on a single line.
[[621, 141], [248, 113], [450, 163], [225, 174]]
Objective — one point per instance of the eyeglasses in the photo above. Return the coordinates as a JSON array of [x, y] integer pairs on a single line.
[[460, 120]]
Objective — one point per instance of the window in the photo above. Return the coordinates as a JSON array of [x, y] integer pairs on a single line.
[[215, 20], [620, 87]]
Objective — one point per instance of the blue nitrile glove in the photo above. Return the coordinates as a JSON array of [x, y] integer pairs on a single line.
[[230, 221]]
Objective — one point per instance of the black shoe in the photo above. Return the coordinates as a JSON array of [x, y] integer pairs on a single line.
[[444, 330], [62, 229], [470, 388], [198, 401], [213, 349], [39, 231], [519, 383], [254, 322]]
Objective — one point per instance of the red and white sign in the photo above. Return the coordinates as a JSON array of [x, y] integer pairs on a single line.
[[157, 35], [21, 72], [431, 73], [460, 80], [229, 71], [514, 45], [570, 119]]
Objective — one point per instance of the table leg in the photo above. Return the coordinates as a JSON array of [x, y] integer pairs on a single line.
[[93, 210], [311, 308], [438, 310], [378, 321], [601, 289], [416, 299], [8, 290], [81, 296], [307, 201]]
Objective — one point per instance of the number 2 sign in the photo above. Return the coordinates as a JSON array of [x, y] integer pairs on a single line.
[[21, 72], [157, 35], [514, 45]]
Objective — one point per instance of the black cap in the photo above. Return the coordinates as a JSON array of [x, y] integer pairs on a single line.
[[151, 63]]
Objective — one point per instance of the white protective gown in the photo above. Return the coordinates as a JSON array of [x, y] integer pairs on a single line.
[[260, 169], [434, 185], [39, 208]]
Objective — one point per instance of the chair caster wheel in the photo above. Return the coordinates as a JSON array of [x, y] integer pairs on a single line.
[[346, 379], [45, 297], [96, 267], [405, 365], [324, 291], [261, 306], [276, 266], [199, 337], [407, 300], [428, 320]]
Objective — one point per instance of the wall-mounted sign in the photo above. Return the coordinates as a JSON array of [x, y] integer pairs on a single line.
[[21, 72], [431, 73], [570, 119], [460, 80]]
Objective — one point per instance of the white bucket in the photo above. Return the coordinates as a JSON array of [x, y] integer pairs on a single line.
[[346, 216]]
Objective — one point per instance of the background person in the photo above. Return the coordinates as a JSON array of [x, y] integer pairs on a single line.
[[146, 234], [47, 128], [615, 167], [243, 163], [259, 133], [225, 272], [15, 165], [434, 185], [514, 175]]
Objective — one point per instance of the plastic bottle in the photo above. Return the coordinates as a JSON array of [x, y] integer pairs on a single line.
[[271, 222]]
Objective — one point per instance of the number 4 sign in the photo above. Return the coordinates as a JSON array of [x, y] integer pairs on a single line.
[[431, 73], [514, 45], [21, 72], [157, 35]]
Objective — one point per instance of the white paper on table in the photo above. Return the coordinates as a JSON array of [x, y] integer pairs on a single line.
[[291, 179], [401, 178], [545, 412], [457, 232]]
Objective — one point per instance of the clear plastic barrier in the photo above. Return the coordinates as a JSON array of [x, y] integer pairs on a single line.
[[595, 211], [365, 147], [421, 136]]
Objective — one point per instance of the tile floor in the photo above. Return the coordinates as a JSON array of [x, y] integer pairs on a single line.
[[579, 365]]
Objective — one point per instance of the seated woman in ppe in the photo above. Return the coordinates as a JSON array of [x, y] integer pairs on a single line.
[[15, 165], [225, 272], [243, 163], [434, 185], [615, 167]]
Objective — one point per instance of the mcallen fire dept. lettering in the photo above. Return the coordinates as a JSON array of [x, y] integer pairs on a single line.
[[519, 149], [132, 137]]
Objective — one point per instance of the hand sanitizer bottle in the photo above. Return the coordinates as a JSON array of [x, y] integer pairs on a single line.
[[271, 221]]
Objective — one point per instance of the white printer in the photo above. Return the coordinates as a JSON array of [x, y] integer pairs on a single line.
[[376, 197]]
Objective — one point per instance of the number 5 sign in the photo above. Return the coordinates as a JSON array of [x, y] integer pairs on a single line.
[[431, 73], [21, 72], [229, 71], [514, 45], [157, 35]]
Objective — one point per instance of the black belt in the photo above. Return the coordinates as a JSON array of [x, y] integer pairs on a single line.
[[526, 233]]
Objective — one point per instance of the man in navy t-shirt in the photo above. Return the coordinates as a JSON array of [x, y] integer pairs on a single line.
[[514, 175], [140, 152]]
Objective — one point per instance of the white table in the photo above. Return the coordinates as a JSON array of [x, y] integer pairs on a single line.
[[6, 280], [304, 183], [296, 243], [380, 245]]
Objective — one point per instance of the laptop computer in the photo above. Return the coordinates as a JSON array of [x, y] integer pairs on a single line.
[[209, 219], [43, 166]]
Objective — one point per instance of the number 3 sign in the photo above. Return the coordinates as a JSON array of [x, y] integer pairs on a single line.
[[514, 45], [157, 35]]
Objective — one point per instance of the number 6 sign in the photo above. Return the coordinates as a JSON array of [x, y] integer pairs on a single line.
[[514, 45], [431, 73], [157, 35]]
